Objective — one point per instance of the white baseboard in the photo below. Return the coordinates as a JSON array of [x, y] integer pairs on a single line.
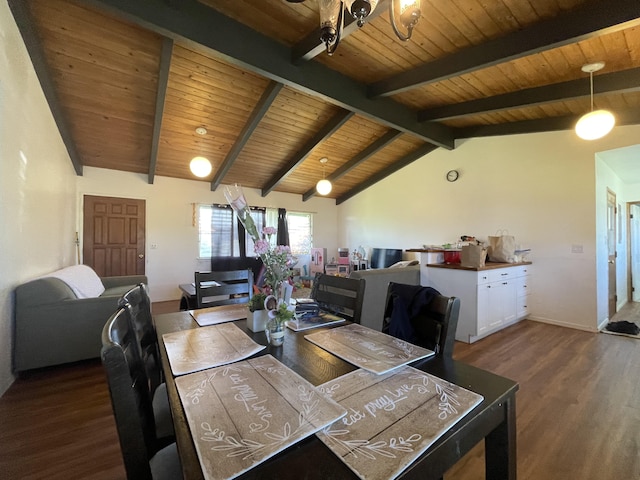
[[563, 324]]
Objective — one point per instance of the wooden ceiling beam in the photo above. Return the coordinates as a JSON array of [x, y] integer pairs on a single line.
[[25, 23], [202, 26], [325, 132], [311, 46], [268, 96], [591, 20], [391, 169], [161, 93], [629, 116], [623, 81], [368, 152]]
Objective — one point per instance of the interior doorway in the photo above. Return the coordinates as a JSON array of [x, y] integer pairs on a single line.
[[633, 251], [114, 235]]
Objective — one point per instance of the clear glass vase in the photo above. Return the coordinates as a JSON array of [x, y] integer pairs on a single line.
[[275, 332]]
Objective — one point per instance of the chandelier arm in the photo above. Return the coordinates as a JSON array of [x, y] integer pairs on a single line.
[[398, 33], [331, 48]]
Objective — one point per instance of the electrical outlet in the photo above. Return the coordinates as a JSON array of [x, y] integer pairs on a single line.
[[154, 246], [577, 249]]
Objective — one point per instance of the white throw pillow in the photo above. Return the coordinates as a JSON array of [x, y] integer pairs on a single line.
[[83, 280]]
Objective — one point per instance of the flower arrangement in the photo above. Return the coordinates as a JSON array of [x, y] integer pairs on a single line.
[[277, 260]]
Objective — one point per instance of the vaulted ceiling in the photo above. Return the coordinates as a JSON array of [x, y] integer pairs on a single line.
[[128, 83]]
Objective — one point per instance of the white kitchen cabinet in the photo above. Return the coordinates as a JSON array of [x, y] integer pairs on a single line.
[[491, 298]]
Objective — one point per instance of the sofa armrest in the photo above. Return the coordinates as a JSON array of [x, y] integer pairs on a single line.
[[123, 280]]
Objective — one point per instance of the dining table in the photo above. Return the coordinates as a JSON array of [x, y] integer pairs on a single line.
[[493, 419]]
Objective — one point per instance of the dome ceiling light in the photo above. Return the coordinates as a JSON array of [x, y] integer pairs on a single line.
[[323, 187], [597, 123]]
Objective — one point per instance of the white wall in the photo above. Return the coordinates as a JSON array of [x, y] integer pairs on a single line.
[[540, 187], [37, 184], [169, 215]]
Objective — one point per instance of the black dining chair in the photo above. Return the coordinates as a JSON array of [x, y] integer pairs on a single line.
[[339, 295], [422, 316], [138, 298], [223, 287], [145, 455], [139, 302]]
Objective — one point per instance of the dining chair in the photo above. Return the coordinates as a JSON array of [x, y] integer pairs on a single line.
[[145, 455], [339, 295], [422, 316], [138, 298], [139, 302], [223, 287]]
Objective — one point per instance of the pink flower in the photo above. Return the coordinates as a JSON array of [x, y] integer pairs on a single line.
[[269, 230], [283, 249], [261, 247]]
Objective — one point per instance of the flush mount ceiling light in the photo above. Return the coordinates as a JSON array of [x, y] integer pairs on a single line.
[[597, 123], [323, 187], [200, 166], [332, 18]]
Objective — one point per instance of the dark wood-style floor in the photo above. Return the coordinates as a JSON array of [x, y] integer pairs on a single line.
[[578, 409]]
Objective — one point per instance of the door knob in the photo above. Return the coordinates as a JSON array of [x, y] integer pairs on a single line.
[[141, 255], [611, 261]]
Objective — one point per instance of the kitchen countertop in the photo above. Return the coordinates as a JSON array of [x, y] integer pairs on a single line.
[[488, 266]]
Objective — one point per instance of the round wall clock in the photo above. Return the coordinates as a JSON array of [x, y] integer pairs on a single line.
[[452, 175]]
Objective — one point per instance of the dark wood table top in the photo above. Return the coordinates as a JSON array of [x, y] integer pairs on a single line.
[[311, 459]]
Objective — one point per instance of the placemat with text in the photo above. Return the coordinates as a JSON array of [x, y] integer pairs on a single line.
[[243, 414], [392, 418]]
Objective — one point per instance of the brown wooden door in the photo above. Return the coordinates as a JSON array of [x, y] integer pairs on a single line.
[[611, 251], [114, 235]]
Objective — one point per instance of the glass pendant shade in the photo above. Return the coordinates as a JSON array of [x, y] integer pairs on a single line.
[[200, 166], [323, 187], [594, 125]]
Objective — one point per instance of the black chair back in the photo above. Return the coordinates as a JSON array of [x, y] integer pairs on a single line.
[[432, 318], [142, 319], [340, 295], [130, 399], [235, 285]]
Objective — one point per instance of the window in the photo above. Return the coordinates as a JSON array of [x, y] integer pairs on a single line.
[[300, 228], [218, 231]]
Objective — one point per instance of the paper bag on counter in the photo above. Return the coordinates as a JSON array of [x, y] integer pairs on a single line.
[[502, 248], [473, 256]]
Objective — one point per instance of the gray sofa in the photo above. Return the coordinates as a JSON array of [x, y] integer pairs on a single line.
[[375, 290], [54, 326]]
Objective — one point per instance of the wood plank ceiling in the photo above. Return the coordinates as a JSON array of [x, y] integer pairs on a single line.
[[129, 82]]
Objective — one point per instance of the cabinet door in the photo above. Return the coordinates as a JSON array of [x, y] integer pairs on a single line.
[[484, 309], [503, 300], [496, 305]]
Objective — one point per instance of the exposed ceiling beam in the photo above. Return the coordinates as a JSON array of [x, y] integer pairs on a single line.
[[268, 96], [311, 46], [325, 132], [371, 150], [391, 169], [593, 19], [623, 81], [25, 24], [629, 116], [199, 25], [161, 93]]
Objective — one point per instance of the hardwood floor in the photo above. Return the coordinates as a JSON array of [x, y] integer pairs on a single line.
[[578, 409]]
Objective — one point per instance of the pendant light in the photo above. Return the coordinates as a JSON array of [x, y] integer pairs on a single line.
[[597, 123], [200, 166], [323, 187]]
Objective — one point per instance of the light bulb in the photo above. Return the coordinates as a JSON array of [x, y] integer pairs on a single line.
[[323, 187], [594, 125], [200, 167]]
